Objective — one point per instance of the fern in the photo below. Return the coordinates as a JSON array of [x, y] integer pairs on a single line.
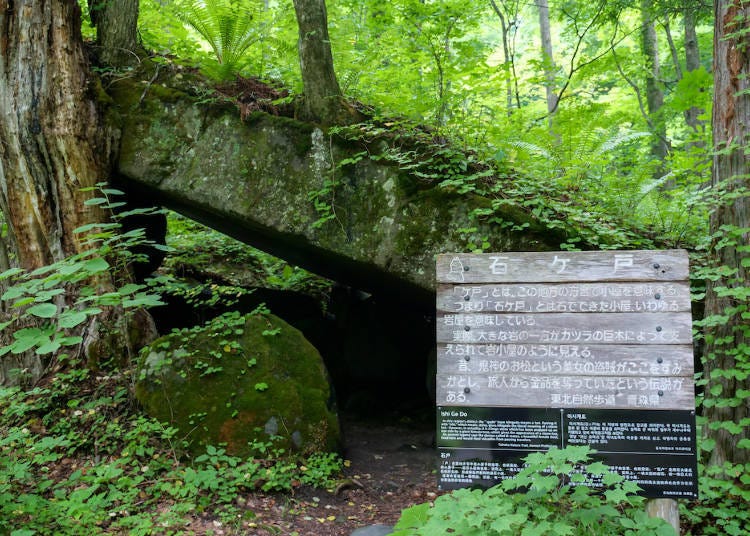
[[531, 149], [620, 139], [229, 27]]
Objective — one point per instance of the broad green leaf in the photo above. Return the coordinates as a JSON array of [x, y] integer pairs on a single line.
[[96, 265], [10, 273], [28, 338], [69, 341], [46, 295], [143, 300], [129, 288], [13, 292], [43, 310], [43, 270], [48, 347], [414, 516], [71, 319], [508, 522]]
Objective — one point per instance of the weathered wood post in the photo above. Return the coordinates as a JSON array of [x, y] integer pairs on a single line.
[[550, 349], [667, 509]]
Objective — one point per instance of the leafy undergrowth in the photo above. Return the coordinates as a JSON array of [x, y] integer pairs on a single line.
[[722, 507], [205, 263], [77, 458], [549, 496]]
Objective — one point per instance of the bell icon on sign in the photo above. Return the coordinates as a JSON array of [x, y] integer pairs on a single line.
[[456, 272]]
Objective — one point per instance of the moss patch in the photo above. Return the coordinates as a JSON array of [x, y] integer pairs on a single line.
[[240, 379]]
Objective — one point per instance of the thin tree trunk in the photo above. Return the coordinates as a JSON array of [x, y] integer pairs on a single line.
[[507, 60], [727, 342], [54, 143], [654, 94], [672, 47], [548, 58], [692, 63], [116, 22], [4, 257]]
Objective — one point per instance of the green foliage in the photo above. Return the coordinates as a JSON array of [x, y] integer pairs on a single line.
[[42, 311], [230, 27], [549, 496], [225, 267], [722, 509], [223, 38], [222, 333], [75, 459]]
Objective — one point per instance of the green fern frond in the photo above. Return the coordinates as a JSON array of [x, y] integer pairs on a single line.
[[620, 139], [531, 148], [229, 27], [349, 79]]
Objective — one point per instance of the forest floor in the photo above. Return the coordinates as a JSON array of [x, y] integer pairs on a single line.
[[389, 467]]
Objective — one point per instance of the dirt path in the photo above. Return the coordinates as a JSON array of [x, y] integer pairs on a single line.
[[392, 467]]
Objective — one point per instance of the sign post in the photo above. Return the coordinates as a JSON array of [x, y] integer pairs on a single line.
[[550, 349]]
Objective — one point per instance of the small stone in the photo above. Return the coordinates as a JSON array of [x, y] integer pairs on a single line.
[[373, 530]]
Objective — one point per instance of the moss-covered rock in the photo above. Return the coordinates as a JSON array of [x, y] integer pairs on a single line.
[[240, 379], [310, 197]]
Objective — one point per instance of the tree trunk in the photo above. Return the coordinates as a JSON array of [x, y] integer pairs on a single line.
[[54, 141], [323, 101], [654, 94], [727, 341], [116, 23], [508, 67], [692, 63], [548, 58]]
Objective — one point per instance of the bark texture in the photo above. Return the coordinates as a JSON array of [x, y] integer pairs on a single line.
[[116, 22], [506, 25], [322, 95], [692, 62], [54, 142], [53, 139], [654, 94], [726, 348], [547, 57]]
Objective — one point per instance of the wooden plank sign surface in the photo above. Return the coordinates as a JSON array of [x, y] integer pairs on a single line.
[[562, 266], [559, 309], [566, 359], [555, 391], [667, 297]]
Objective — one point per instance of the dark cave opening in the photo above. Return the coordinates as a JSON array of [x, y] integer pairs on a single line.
[[378, 346]]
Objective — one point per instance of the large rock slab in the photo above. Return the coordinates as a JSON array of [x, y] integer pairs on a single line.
[[256, 179]]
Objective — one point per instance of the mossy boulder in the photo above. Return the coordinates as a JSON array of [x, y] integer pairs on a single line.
[[239, 379]]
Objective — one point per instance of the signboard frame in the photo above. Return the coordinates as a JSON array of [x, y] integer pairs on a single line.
[[605, 336]]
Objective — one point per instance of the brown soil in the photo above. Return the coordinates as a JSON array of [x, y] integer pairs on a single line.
[[390, 467], [254, 95]]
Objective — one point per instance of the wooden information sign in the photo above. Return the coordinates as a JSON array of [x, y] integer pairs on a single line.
[[536, 350]]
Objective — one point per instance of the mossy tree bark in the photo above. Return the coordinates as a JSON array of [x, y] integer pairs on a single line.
[[54, 143], [727, 355], [116, 22], [323, 101]]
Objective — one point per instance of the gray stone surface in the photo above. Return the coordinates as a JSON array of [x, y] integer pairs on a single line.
[[373, 530], [255, 180]]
